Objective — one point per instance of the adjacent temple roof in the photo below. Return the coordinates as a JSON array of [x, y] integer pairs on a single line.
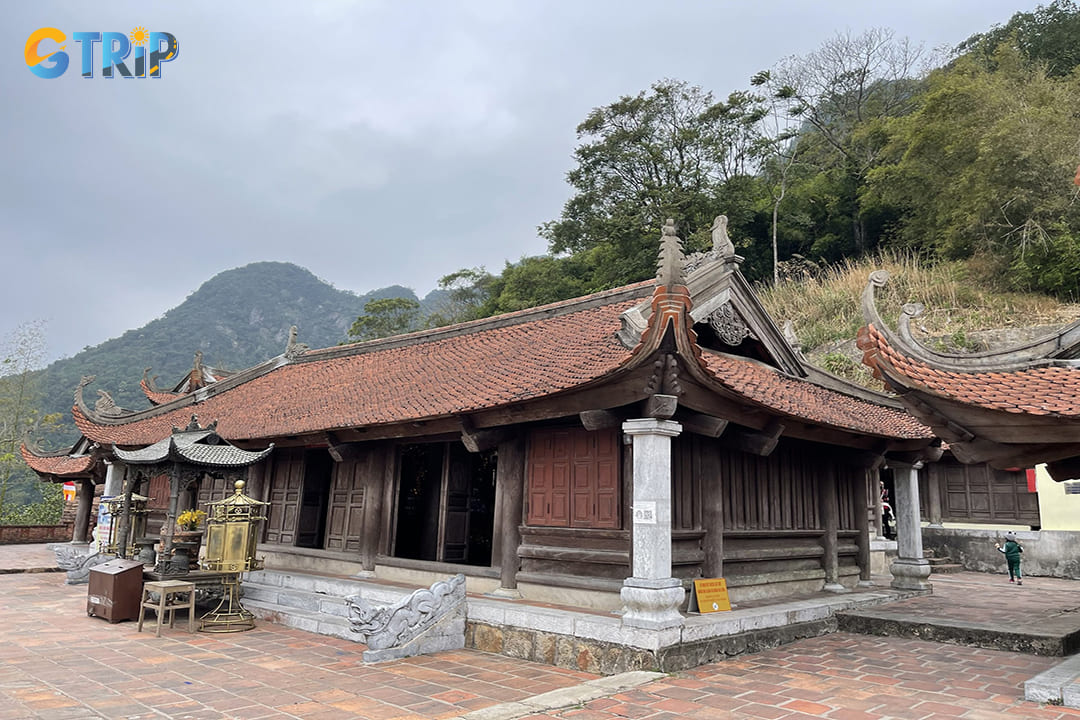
[[1011, 408], [63, 465], [198, 377], [697, 334]]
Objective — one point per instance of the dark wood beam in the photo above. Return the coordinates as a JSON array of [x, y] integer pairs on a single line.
[[1064, 469], [480, 440], [756, 443], [339, 450], [702, 424], [660, 406], [600, 419]]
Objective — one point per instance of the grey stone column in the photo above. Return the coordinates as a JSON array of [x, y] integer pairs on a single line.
[[81, 532], [651, 596], [862, 524], [114, 479], [830, 514], [910, 569], [510, 484]]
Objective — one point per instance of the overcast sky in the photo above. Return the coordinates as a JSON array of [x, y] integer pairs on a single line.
[[372, 142]]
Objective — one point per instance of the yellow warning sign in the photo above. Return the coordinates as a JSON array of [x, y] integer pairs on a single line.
[[710, 595]]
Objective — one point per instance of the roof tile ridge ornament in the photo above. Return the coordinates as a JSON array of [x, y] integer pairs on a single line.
[[1055, 350], [150, 383], [671, 302], [294, 349]]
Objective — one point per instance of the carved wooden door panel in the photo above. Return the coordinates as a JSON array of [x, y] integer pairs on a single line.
[[345, 524], [549, 478], [285, 482], [213, 489], [455, 534]]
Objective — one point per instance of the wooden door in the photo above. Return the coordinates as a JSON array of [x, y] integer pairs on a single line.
[[455, 517], [286, 480], [345, 521]]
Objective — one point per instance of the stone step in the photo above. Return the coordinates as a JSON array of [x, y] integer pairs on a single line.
[[946, 568], [1059, 685], [939, 560], [293, 617], [892, 623]]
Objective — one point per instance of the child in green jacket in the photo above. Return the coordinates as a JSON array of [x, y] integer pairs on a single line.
[[1012, 552]]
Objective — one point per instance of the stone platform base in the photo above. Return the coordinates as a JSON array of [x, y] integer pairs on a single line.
[[959, 632]]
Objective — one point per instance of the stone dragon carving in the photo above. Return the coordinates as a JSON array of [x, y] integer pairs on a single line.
[[77, 562], [386, 626]]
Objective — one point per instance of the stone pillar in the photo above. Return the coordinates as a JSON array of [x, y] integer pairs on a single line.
[[510, 486], [830, 516], [114, 479], [81, 532], [933, 490], [910, 569], [651, 596], [374, 480], [862, 524]]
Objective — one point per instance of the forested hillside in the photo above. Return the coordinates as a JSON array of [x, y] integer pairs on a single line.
[[237, 319]]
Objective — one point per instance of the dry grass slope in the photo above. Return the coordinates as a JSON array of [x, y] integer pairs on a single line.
[[960, 298]]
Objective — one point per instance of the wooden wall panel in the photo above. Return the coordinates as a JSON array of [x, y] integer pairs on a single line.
[[979, 493], [345, 522], [573, 478]]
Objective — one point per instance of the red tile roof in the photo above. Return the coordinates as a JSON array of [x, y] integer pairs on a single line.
[[807, 401], [471, 367], [57, 465], [445, 376], [1051, 390]]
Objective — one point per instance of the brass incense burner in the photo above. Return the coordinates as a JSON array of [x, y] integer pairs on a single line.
[[231, 537]]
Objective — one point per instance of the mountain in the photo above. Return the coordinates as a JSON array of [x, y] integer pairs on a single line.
[[238, 318]]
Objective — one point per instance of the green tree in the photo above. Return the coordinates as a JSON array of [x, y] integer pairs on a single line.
[[670, 152], [20, 414], [467, 291], [1048, 34], [385, 317], [986, 162], [844, 92]]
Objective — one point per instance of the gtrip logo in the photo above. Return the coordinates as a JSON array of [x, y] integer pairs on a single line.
[[46, 58]]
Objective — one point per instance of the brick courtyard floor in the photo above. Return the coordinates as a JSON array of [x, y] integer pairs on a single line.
[[55, 662]]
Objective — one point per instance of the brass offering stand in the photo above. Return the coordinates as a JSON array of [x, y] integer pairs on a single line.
[[230, 549]]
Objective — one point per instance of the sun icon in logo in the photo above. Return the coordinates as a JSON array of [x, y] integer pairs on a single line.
[[139, 36]]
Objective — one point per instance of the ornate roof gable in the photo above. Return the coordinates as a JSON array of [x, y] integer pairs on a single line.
[[719, 297]]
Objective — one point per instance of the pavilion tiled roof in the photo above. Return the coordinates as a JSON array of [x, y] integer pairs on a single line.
[[59, 465], [804, 400], [1048, 390]]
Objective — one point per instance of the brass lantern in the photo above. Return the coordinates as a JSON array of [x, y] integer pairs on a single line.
[[231, 533], [137, 524]]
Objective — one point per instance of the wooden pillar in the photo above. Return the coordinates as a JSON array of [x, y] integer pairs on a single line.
[[81, 531], [389, 504], [933, 490], [862, 524], [712, 516], [167, 530], [910, 569], [830, 516], [124, 532], [375, 474], [510, 486], [874, 487]]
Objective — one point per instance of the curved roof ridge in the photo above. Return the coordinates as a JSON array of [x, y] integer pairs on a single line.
[[1053, 350]]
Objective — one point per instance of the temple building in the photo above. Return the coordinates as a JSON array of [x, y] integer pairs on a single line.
[[601, 452]]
